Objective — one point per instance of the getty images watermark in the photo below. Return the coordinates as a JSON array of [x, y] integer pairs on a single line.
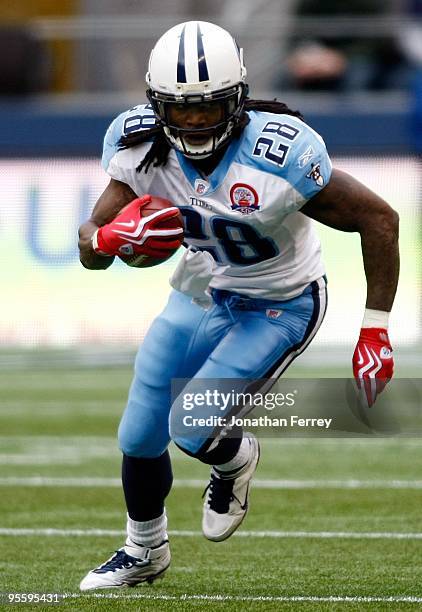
[[306, 406], [225, 401]]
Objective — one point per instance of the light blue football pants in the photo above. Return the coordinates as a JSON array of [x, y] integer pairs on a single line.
[[238, 338]]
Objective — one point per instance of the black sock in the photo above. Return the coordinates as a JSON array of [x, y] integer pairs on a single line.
[[146, 484]]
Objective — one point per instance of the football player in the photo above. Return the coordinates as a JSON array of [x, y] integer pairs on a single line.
[[249, 292]]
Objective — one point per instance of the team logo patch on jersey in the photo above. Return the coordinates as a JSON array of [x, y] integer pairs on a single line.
[[305, 157], [201, 186], [315, 174], [244, 198], [273, 313]]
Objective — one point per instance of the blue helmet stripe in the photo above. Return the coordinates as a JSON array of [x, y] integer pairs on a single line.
[[237, 48], [181, 70], [202, 62]]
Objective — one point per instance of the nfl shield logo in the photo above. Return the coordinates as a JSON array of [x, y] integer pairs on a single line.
[[201, 186]]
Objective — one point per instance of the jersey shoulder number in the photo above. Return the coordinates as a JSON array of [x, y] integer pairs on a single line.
[[287, 147], [135, 119]]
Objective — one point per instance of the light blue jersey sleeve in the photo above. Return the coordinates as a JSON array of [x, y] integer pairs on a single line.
[[111, 140], [133, 120], [287, 147]]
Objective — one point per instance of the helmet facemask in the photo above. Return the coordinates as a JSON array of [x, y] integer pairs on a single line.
[[232, 103], [195, 63]]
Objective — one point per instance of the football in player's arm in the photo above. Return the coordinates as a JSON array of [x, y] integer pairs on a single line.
[[248, 176]]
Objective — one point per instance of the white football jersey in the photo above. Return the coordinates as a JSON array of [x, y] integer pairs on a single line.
[[246, 212]]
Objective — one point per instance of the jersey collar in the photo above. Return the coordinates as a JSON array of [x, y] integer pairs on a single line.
[[218, 175]]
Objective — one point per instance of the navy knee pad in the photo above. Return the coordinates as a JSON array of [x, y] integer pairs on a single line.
[[224, 451]]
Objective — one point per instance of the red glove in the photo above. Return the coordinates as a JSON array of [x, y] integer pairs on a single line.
[[141, 233], [373, 363]]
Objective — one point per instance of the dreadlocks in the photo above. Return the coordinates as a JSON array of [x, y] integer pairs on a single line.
[[158, 153]]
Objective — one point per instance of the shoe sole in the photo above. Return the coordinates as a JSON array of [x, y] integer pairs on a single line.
[[227, 534], [148, 579]]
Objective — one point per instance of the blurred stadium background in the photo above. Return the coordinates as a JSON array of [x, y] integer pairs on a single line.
[[68, 335]]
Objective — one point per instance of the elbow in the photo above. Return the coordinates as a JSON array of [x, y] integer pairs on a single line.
[[396, 219], [384, 225], [91, 261], [95, 262], [391, 224], [86, 254], [381, 229], [85, 263]]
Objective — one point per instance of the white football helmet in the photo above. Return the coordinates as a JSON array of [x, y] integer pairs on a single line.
[[192, 63]]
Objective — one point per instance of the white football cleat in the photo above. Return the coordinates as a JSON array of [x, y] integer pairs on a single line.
[[226, 497], [124, 570]]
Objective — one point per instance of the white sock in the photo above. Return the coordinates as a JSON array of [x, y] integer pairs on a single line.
[[145, 533], [239, 460]]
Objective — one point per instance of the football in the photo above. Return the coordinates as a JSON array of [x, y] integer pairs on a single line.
[[157, 236]]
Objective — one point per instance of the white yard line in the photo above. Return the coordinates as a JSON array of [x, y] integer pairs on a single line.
[[263, 598], [42, 459], [355, 535], [193, 483], [351, 442]]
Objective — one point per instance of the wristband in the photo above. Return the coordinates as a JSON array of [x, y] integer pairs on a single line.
[[94, 242], [375, 318]]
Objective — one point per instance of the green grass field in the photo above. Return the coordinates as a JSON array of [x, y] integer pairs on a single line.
[[334, 523]]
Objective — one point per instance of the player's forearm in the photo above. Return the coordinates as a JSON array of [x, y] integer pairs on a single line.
[[88, 257], [380, 250]]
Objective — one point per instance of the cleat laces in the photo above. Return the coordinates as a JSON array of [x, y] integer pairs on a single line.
[[120, 560], [220, 494]]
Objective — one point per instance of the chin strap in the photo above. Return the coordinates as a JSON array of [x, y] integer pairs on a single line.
[[202, 151]]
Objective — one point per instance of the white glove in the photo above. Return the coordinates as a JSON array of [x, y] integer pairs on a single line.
[[192, 276]]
